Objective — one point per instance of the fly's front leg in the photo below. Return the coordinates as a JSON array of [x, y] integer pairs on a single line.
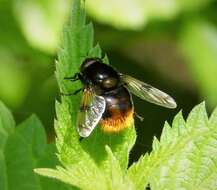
[[75, 77]]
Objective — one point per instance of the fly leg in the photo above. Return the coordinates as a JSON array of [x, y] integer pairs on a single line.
[[138, 116], [71, 94], [75, 77]]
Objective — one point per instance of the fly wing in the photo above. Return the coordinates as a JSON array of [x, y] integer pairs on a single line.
[[91, 109], [147, 92]]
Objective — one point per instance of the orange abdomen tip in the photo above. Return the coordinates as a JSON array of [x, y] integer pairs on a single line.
[[117, 122]]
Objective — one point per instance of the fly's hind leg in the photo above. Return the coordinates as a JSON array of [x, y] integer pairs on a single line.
[[139, 117]]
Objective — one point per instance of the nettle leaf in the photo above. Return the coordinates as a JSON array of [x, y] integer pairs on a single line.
[[138, 172], [79, 175], [180, 160], [22, 149], [7, 126], [19, 157], [185, 157], [86, 164]]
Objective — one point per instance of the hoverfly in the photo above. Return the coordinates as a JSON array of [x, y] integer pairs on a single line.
[[107, 100]]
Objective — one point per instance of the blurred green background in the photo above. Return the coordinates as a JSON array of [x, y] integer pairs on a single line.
[[171, 44]]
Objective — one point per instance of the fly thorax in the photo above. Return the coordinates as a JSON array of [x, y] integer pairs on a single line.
[[109, 83]]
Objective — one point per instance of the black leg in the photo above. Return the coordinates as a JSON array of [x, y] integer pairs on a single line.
[[73, 78], [71, 94], [77, 91], [139, 117]]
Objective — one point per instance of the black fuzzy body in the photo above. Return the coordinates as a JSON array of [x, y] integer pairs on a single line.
[[118, 99]]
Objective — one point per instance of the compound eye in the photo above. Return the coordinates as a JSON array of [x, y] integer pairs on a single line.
[[109, 82]]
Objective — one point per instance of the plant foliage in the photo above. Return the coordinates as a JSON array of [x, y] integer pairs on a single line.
[[23, 148], [184, 158], [88, 159]]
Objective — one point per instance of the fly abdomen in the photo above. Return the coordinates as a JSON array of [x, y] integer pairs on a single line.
[[118, 113]]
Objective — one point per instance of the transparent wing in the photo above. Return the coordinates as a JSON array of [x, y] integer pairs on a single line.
[[91, 109], [147, 92]]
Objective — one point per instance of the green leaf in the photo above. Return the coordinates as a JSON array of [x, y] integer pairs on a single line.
[[3, 176], [49, 159], [79, 176], [179, 124], [198, 42], [22, 149], [20, 163], [190, 159], [86, 159], [34, 136], [7, 125], [78, 42], [185, 157], [28, 145], [138, 173], [116, 177], [198, 117]]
